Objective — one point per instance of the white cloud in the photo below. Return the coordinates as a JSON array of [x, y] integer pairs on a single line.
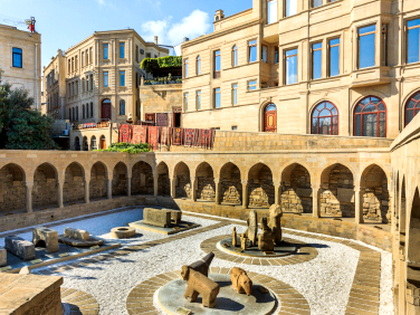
[[101, 2], [191, 26]]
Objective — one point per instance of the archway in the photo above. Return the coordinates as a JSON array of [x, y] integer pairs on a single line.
[[93, 144], [74, 184], [119, 180], [412, 107], [142, 179], [374, 195], [98, 188], [45, 190], [12, 189], [106, 106], [296, 192], [413, 253], [337, 192], [85, 144], [270, 118], [370, 117], [77, 144], [164, 188], [260, 186], [206, 188], [325, 119], [230, 184], [183, 181], [102, 143]]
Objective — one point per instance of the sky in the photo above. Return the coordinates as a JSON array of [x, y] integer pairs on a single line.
[[64, 23]]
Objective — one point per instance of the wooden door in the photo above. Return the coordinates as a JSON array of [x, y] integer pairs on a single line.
[[270, 119], [106, 110]]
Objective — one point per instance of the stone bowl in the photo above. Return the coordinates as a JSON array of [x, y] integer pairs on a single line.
[[123, 232]]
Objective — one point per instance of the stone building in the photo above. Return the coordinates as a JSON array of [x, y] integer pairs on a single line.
[[20, 60], [306, 67], [102, 78]]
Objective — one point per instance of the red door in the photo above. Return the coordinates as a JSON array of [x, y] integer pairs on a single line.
[[106, 109], [270, 118]]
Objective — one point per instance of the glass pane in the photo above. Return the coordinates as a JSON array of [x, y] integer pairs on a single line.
[[334, 68], [291, 67], [252, 47], [367, 29], [272, 11], [291, 7], [316, 3], [217, 61], [413, 45], [367, 51], [270, 107], [316, 61]]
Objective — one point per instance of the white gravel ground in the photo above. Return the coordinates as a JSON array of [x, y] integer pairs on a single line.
[[324, 281]]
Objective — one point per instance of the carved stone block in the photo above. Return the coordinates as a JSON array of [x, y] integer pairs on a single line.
[[76, 234], [3, 257], [46, 238], [157, 217], [20, 247], [176, 215]]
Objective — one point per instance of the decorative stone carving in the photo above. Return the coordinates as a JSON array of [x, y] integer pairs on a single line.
[[199, 284], [3, 257], [203, 265], [274, 222], [241, 283], [47, 238], [77, 234], [252, 230], [265, 238], [258, 198], [231, 193], [157, 217], [20, 247], [206, 188]]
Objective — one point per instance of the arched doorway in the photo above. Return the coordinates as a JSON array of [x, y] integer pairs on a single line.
[[183, 181], [119, 180], [106, 106], [74, 184], [93, 145], [12, 189], [102, 143], [164, 188], [85, 144], [260, 186], [77, 144], [231, 186], [296, 192], [45, 191], [142, 180], [270, 118], [206, 188], [98, 181]]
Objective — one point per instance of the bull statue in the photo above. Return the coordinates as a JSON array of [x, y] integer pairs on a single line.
[[203, 265], [199, 284], [241, 283]]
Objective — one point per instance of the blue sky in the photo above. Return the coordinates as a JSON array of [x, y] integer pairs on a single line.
[[63, 23]]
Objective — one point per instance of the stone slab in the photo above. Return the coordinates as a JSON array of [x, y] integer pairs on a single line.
[[183, 226], [157, 217], [171, 299], [3, 257], [76, 234], [19, 247]]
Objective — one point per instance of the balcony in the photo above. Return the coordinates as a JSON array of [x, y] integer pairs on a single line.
[[371, 76]]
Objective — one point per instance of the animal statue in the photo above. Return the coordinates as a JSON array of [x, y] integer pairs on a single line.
[[274, 223], [203, 265], [199, 284], [241, 283], [265, 238]]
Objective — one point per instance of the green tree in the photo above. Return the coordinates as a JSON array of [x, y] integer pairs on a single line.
[[20, 126]]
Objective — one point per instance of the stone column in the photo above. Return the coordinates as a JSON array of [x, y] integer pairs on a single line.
[[277, 194], [315, 201], [128, 186], [87, 191], [358, 210], [245, 194], [194, 189], [172, 185], [60, 194], [29, 188], [155, 184], [109, 190], [217, 192]]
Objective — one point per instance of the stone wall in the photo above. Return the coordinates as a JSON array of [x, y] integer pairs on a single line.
[[12, 189], [120, 180], [296, 192], [142, 179], [160, 98], [98, 187], [74, 184], [45, 191]]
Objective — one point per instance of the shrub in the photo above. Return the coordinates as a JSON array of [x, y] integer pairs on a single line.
[[127, 148]]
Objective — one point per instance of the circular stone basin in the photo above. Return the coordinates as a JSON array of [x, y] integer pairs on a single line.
[[284, 249], [123, 232], [170, 299]]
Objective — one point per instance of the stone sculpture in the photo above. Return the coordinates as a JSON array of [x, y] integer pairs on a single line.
[[241, 283], [76, 234], [45, 238], [157, 217], [199, 284], [234, 237], [274, 223], [20, 247], [202, 266], [244, 242], [79, 238], [265, 238], [252, 230], [3, 257]]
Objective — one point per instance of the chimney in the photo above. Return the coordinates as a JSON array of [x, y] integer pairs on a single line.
[[186, 39], [219, 15], [156, 40]]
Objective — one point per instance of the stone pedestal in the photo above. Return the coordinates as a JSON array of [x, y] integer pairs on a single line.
[[46, 238], [19, 247], [30, 294]]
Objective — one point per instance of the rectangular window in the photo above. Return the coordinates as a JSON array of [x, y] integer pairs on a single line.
[[291, 66], [217, 101], [83, 59], [137, 53], [198, 99], [217, 63], [252, 50], [271, 11], [105, 51], [251, 85], [334, 57], [17, 60], [91, 82], [366, 49], [234, 56], [316, 3], [186, 95], [264, 53], [90, 55], [122, 78], [276, 54], [186, 68], [122, 50], [198, 65], [148, 55], [234, 93], [413, 41], [316, 60], [105, 78], [290, 7], [91, 109], [234, 127]]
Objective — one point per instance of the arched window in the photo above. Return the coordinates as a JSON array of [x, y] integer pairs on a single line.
[[270, 118], [412, 107], [122, 107], [83, 111], [85, 144], [234, 56], [102, 142], [198, 65], [93, 145], [370, 117], [106, 109], [77, 144], [325, 119]]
